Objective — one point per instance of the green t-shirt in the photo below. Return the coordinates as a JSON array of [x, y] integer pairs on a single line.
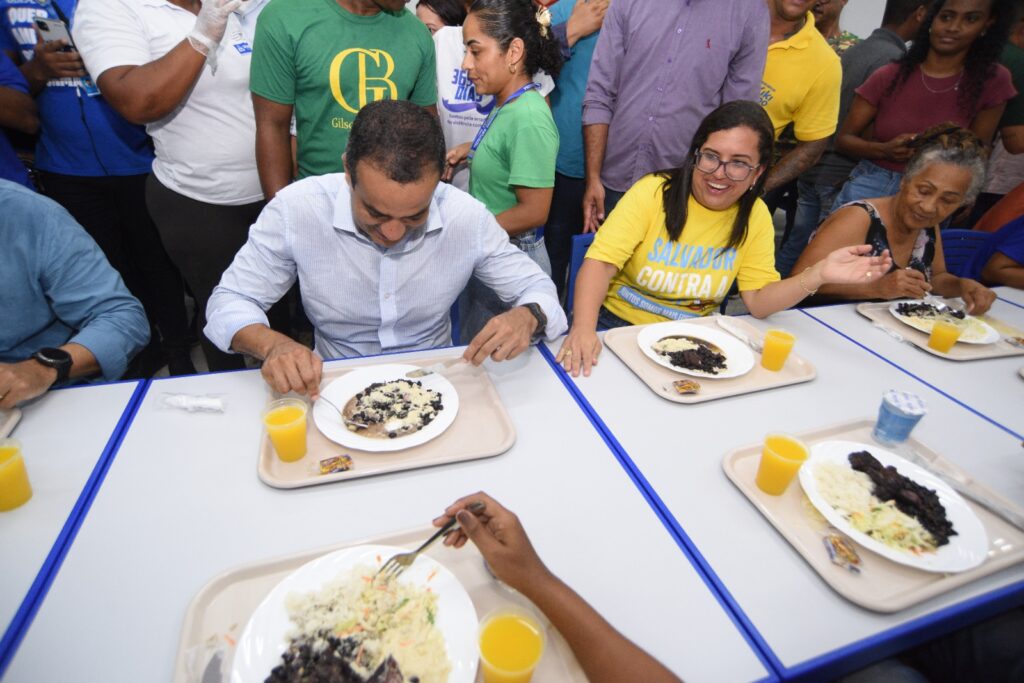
[[1013, 59], [328, 63], [519, 149]]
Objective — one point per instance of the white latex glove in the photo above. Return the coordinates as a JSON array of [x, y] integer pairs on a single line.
[[210, 25]]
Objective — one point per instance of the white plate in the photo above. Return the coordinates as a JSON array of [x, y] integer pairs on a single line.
[[966, 550], [739, 359], [980, 332], [341, 391], [265, 636]]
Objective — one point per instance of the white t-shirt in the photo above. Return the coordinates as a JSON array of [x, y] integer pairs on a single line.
[[206, 147], [460, 109]]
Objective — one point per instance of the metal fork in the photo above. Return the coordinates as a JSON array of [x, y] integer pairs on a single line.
[[436, 367], [397, 564]]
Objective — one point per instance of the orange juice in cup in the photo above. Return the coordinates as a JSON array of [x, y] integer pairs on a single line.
[[511, 645], [777, 345], [781, 458], [14, 487], [944, 335], [285, 422]]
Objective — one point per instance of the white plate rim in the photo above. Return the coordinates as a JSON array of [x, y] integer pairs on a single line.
[[739, 358], [966, 550], [340, 391], [257, 652], [991, 337]]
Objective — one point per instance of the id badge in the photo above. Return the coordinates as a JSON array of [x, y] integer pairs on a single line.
[[89, 87]]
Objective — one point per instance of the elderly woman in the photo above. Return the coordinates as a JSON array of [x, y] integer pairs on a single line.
[[946, 173], [678, 240]]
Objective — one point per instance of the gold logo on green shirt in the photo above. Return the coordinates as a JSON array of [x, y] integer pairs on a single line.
[[373, 84]]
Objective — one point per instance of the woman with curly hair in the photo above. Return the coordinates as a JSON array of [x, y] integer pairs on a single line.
[[945, 173], [512, 156], [950, 74]]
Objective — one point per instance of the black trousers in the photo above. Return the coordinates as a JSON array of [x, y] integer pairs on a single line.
[[112, 209], [202, 240]]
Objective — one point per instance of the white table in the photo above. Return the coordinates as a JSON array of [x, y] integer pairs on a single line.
[[679, 449], [991, 386], [182, 503], [64, 436], [1011, 294]]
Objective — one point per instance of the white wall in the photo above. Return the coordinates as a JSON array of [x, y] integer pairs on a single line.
[[861, 17]]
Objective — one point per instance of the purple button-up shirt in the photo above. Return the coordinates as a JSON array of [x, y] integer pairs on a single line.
[[660, 67]]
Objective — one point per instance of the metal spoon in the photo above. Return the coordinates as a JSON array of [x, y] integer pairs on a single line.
[[341, 413]]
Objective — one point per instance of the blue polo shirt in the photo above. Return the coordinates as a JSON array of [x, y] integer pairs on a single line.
[[11, 167], [567, 97], [58, 287], [79, 135]]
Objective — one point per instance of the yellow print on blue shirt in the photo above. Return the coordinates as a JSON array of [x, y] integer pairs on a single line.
[[374, 70]]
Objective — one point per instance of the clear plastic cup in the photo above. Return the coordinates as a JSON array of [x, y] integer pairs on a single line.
[[777, 345], [285, 422], [15, 489], [512, 643], [781, 458]]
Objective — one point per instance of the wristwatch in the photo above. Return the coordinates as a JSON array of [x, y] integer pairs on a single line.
[[58, 359], [542, 320]]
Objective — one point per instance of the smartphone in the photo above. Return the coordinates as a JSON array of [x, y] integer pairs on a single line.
[[53, 30]]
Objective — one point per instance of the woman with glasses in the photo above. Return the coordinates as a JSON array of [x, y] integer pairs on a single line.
[[678, 240]]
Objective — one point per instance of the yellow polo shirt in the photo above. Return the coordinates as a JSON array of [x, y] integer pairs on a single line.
[[659, 279], [802, 79]]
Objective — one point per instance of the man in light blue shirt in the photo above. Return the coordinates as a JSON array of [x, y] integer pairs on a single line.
[[66, 313], [380, 252]]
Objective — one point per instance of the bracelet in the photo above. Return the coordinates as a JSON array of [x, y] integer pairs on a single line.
[[800, 281]]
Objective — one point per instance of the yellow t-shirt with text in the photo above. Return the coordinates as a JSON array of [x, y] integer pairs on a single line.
[[659, 279]]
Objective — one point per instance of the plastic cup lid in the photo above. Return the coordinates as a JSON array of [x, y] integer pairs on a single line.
[[905, 402]]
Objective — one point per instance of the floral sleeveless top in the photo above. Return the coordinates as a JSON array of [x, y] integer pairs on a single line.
[[920, 256]]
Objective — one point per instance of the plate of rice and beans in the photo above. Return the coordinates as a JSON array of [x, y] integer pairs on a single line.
[[696, 350], [892, 507]]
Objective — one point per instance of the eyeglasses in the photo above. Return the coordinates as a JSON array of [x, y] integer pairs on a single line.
[[709, 162]]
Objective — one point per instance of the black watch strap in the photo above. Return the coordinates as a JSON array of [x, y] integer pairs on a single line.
[[542, 320], [58, 359]]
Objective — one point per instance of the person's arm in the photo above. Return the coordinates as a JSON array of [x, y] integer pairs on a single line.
[[1003, 270], [1013, 138], [582, 346], [976, 296], [147, 93], [743, 82], [531, 210], [795, 162], [598, 108], [852, 143], [48, 62], [586, 18], [287, 364], [848, 227], [986, 122], [18, 111], [273, 144], [605, 654], [23, 381]]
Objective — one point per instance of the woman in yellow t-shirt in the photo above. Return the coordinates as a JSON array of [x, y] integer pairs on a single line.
[[677, 240]]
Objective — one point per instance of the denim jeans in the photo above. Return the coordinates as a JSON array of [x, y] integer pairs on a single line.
[[606, 320], [564, 221], [813, 204], [479, 303], [867, 181]]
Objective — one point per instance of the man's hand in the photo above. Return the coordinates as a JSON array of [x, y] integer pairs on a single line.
[[504, 336], [586, 18], [290, 366], [498, 535], [454, 157], [49, 63], [23, 381], [579, 351], [593, 206], [977, 296], [903, 283]]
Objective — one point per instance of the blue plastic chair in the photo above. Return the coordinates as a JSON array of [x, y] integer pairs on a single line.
[[580, 244], [959, 247]]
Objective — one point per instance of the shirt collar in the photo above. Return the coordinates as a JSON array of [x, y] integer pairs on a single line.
[[343, 210], [801, 38]]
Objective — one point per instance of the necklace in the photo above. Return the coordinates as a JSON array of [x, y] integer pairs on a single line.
[[956, 86]]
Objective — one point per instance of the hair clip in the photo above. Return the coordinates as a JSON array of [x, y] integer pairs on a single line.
[[543, 17]]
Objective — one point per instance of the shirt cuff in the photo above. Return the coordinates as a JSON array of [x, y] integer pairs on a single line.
[[596, 112], [561, 32], [224, 320], [113, 348]]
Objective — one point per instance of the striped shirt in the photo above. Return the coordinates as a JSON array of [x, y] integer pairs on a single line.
[[362, 298]]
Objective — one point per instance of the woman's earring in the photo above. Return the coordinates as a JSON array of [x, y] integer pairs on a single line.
[[511, 68]]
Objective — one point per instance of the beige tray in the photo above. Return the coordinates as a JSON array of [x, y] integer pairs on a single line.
[[482, 429], [8, 421], [622, 341], [879, 314], [219, 612], [882, 585]]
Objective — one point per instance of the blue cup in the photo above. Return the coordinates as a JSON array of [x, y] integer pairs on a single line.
[[897, 416]]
